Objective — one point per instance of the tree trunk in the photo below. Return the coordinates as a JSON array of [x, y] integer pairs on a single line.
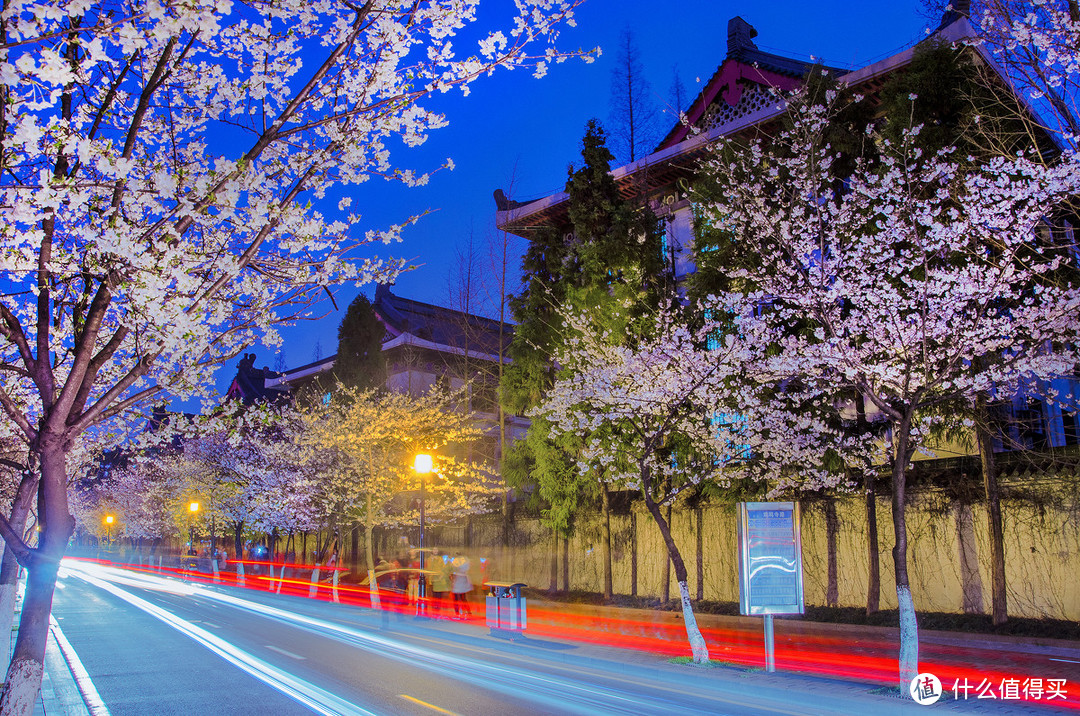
[[9, 568], [566, 564], [369, 554], [873, 550], [354, 547], [832, 591], [909, 625], [238, 539], [999, 600], [693, 634], [666, 584], [633, 553], [369, 551], [605, 541], [553, 581], [27, 662]]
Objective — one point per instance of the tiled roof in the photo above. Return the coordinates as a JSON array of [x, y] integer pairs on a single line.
[[407, 322], [438, 324]]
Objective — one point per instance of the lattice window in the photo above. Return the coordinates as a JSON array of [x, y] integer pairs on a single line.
[[754, 97]]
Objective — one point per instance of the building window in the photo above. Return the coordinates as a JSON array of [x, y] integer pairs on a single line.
[[1032, 426], [1069, 425]]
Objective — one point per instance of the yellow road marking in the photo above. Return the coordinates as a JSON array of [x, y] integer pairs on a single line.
[[433, 707]]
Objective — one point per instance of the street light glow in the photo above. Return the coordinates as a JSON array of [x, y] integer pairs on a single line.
[[108, 519], [423, 463], [194, 506]]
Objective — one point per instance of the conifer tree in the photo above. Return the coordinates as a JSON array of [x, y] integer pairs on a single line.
[[609, 253], [360, 363]]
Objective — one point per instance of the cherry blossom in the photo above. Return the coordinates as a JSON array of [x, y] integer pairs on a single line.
[[921, 282], [162, 170]]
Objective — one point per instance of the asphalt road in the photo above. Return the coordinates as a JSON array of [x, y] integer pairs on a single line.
[[157, 645]]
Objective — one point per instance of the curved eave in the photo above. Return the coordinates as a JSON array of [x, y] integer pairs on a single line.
[[658, 170], [666, 166]]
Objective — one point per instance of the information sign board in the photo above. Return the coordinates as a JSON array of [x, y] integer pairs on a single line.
[[770, 558]]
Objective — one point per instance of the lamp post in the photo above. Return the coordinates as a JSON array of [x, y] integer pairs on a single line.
[[108, 529], [193, 509], [423, 466]]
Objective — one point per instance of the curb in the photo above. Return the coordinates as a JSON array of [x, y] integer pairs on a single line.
[[60, 694]]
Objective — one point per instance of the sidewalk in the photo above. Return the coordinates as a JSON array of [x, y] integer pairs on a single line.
[[60, 695], [606, 618]]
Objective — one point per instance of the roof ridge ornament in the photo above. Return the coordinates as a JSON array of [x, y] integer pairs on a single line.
[[740, 37]]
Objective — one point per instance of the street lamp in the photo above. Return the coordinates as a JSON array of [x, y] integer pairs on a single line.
[[423, 466], [108, 528], [193, 508]]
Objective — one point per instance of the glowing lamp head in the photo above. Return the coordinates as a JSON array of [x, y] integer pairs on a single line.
[[108, 519], [193, 507], [423, 464]]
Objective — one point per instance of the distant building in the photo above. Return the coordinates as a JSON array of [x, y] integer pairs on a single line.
[[423, 345], [741, 100]]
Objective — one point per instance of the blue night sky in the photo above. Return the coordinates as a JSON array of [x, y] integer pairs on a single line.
[[519, 130]]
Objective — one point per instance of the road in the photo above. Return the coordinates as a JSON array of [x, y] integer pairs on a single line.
[[159, 645]]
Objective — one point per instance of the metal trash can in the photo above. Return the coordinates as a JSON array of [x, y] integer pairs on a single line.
[[506, 614]]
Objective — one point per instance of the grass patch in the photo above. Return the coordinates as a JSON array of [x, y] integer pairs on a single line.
[[713, 663], [891, 691]]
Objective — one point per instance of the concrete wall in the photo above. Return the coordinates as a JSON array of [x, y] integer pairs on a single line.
[[948, 554]]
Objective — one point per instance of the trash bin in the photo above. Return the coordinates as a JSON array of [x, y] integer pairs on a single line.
[[506, 615]]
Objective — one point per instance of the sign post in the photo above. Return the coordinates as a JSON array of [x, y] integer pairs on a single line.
[[770, 565]]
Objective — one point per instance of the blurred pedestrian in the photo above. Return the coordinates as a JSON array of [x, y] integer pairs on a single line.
[[414, 577], [440, 579], [461, 585]]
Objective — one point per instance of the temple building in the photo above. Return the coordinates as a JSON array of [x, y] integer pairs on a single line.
[[743, 98], [423, 345]]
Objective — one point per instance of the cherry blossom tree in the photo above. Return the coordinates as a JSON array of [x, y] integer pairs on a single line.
[[916, 283], [159, 163], [252, 472], [84, 455], [375, 436], [670, 409], [146, 495], [1038, 45]]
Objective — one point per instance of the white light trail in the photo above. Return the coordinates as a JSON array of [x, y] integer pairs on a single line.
[[562, 695], [559, 694], [315, 698]]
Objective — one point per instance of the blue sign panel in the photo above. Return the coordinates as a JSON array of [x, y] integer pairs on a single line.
[[770, 558]]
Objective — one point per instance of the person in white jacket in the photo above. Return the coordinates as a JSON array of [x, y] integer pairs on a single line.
[[461, 585]]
